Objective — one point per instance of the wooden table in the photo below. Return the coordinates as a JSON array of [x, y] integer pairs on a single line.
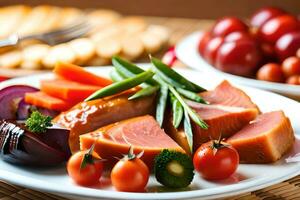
[[288, 190]]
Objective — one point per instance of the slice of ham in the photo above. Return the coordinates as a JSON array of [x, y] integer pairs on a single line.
[[228, 111], [265, 139], [89, 116], [142, 133]]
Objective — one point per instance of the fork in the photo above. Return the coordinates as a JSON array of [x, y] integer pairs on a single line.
[[51, 37]]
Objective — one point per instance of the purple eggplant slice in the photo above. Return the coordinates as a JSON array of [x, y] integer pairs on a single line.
[[20, 146], [10, 97]]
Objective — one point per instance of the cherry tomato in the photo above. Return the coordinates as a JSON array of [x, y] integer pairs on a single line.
[[228, 25], [215, 161], [273, 29], [211, 49], [291, 66], [268, 50], [262, 15], [240, 58], [87, 175], [271, 72], [204, 38], [169, 57], [287, 45], [294, 80], [130, 175], [237, 36]]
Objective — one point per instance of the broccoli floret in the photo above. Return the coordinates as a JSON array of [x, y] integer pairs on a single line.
[[173, 169]]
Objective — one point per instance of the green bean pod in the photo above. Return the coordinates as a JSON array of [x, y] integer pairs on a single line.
[[147, 91], [188, 130], [128, 69], [116, 76], [173, 78], [194, 116], [121, 86], [191, 95], [161, 104], [177, 111]]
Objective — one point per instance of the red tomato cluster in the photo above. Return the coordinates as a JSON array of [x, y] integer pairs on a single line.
[[128, 175], [267, 47]]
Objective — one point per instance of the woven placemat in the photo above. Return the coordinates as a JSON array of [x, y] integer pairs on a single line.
[[288, 190]]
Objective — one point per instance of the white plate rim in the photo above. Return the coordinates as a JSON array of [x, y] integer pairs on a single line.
[[210, 193]]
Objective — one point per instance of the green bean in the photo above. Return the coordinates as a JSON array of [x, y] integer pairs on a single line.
[[147, 91], [173, 78], [161, 104], [194, 116], [188, 130], [128, 69], [116, 76], [191, 95], [121, 86], [177, 111]]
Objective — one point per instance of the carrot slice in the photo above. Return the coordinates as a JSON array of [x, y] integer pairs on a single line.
[[78, 74], [44, 100], [68, 90]]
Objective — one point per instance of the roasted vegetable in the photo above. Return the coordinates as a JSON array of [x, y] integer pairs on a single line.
[[173, 169], [20, 146]]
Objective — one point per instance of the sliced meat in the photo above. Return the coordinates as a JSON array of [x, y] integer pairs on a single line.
[[89, 116], [264, 140], [142, 133], [229, 110]]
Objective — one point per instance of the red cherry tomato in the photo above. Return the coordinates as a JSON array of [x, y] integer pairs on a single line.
[[294, 80], [204, 38], [268, 50], [291, 66], [88, 175], [212, 48], [228, 25], [262, 15], [271, 72], [130, 175], [238, 36], [215, 162], [240, 58], [170, 57], [287, 45], [273, 29]]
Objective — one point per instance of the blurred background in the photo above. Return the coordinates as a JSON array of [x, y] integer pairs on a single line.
[[204, 9]]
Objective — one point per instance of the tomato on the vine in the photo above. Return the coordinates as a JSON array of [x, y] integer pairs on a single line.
[[216, 160], [130, 174], [85, 167]]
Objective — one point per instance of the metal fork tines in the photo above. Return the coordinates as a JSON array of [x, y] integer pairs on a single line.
[[53, 37]]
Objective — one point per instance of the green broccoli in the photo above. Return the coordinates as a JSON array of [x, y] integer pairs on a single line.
[[173, 169]]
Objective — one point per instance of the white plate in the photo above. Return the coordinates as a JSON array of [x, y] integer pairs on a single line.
[[247, 178], [186, 51]]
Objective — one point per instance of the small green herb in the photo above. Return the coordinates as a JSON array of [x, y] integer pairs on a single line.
[[38, 123]]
